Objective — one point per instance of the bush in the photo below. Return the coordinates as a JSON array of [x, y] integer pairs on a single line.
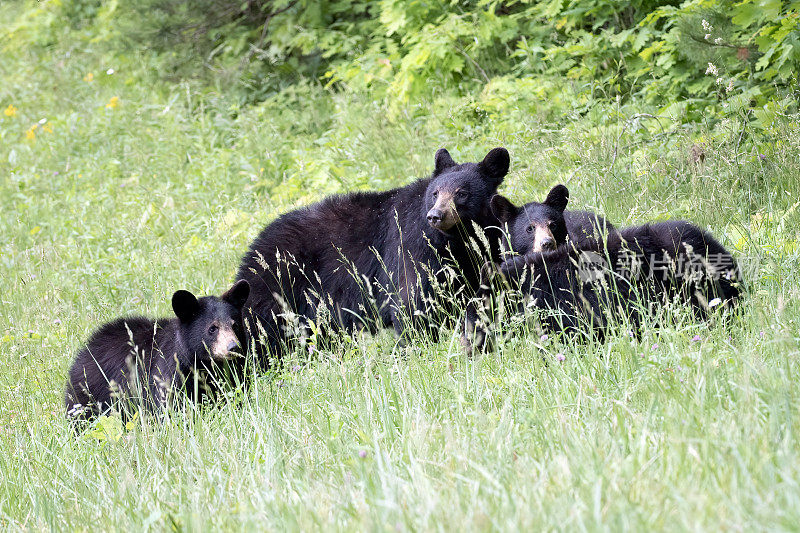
[[710, 55]]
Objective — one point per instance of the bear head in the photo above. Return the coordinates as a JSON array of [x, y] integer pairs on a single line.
[[534, 227], [208, 325], [458, 194]]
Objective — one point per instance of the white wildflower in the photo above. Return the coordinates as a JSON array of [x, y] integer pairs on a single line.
[[712, 69], [718, 40], [708, 36], [720, 81], [706, 26], [729, 88]]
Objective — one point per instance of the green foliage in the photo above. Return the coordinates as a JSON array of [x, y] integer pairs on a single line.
[[703, 53], [129, 171], [657, 52]]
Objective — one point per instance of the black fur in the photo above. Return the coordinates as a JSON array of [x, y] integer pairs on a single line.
[[573, 227], [390, 239], [596, 281], [138, 361]]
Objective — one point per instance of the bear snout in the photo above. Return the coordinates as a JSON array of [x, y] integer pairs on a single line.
[[225, 343], [548, 244], [442, 220], [443, 214], [435, 217], [543, 240]]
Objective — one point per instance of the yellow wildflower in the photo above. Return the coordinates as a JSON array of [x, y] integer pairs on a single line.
[[114, 102], [31, 133], [10, 111], [89, 77], [48, 128]]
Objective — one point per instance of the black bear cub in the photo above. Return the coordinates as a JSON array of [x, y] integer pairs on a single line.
[[138, 361], [629, 275], [539, 227]]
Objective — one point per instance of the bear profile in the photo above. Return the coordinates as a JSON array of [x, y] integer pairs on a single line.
[[139, 363], [627, 276], [368, 260]]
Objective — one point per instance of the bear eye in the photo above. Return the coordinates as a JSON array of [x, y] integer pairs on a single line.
[[551, 224], [461, 194], [529, 229], [212, 329]]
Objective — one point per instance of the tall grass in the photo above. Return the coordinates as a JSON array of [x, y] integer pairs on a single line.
[[122, 204]]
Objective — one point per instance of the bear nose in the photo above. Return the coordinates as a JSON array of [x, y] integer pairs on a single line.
[[434, 216], [232, 345], [548, 244]]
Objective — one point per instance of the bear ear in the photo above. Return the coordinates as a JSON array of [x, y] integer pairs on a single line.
[[496, 164], [443, 161], [502, 208], [557, 198], [185, 305], [237, 295]]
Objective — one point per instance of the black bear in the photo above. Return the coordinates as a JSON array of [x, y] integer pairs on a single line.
[[627, 276], [137, 361], [373, 259], [538, 227]]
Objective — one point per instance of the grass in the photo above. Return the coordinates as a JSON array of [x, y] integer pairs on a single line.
[[120, 205]]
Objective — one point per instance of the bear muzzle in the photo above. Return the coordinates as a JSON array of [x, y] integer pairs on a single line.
[[224, 344], [443, 215], [543, 240]]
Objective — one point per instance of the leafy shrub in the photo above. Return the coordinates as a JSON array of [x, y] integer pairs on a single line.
[[715, 57]]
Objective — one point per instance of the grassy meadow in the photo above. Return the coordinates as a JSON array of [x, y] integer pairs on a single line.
[[118, 186]]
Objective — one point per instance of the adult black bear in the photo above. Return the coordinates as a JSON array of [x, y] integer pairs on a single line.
[[373, 259], [137, 361], [539, 227], [628, 276]]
